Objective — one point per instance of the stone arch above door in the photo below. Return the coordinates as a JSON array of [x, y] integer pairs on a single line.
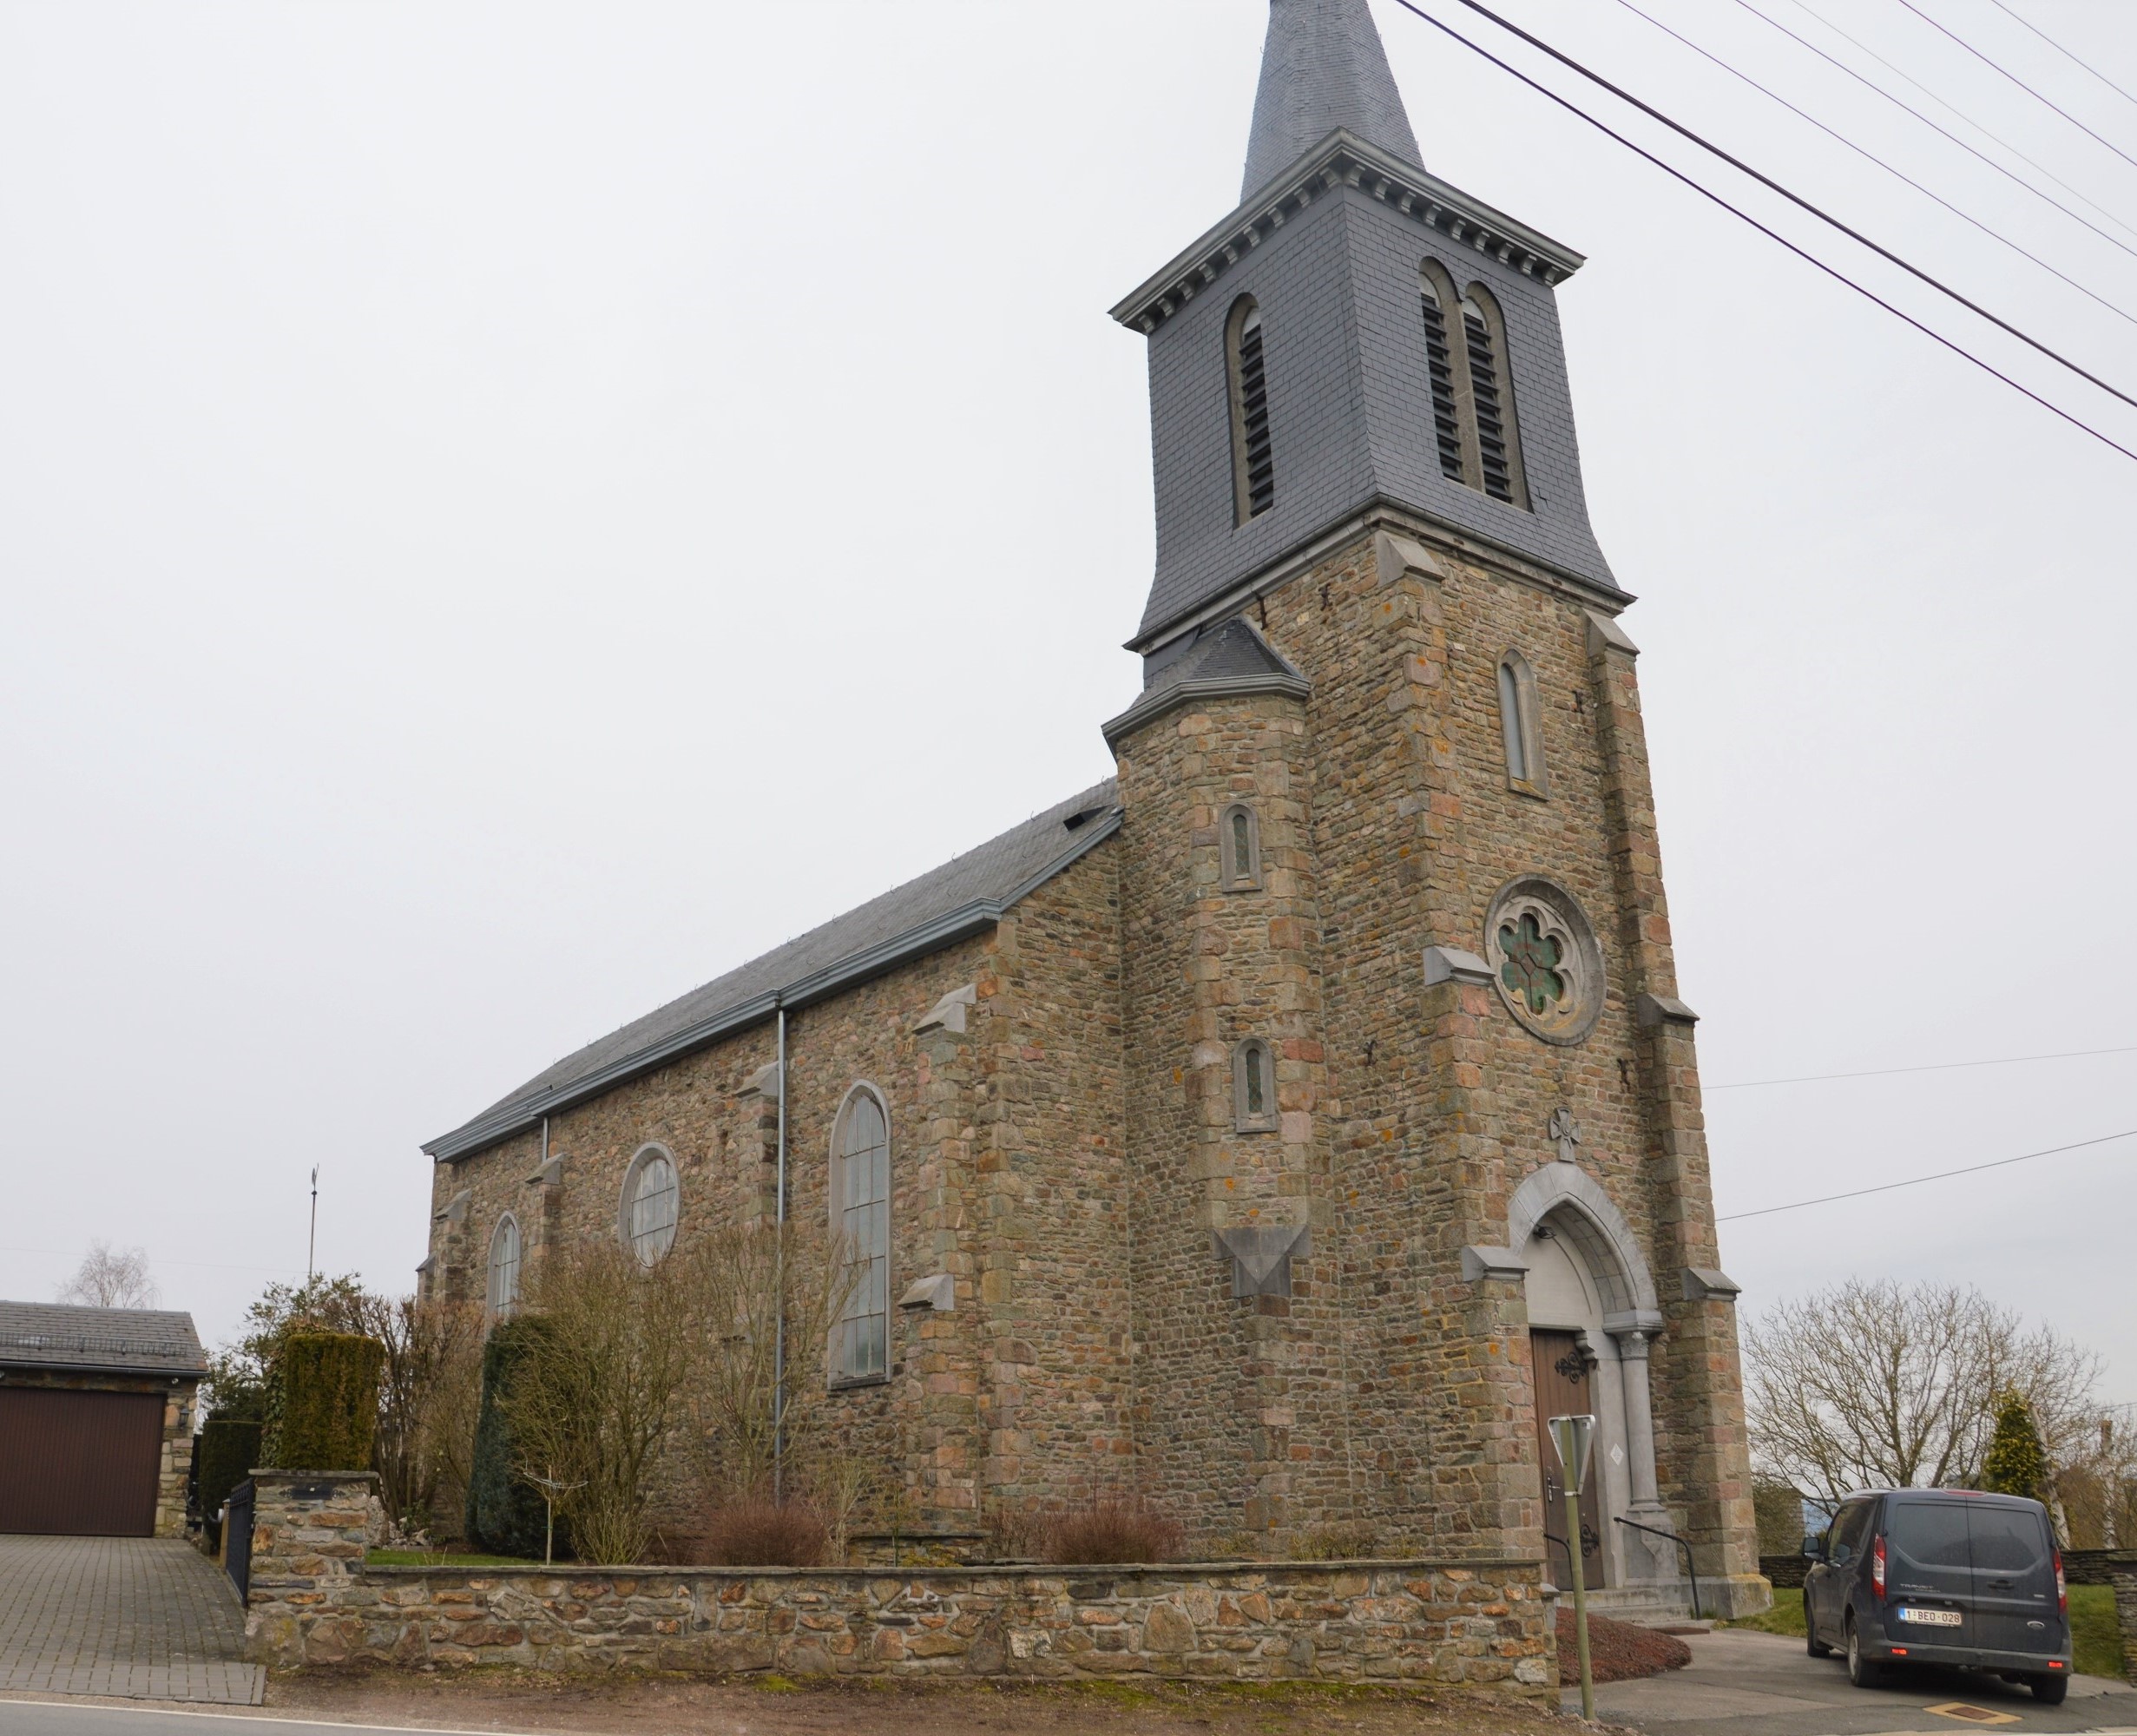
[[1578, 1206]]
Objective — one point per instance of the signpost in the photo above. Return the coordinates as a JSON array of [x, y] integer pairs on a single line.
[[1574, 1439]]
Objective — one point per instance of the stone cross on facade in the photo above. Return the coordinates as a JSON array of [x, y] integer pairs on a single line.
[[1565, 1134]]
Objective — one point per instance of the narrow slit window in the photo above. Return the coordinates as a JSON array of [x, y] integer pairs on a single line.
[[1510, 724], [1519, 726], [1254, 456], [1484, 393], [1440, 365], [1239, 848], [1253, 1087]]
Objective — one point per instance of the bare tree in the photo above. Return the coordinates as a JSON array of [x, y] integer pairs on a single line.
[[112, 1278], [741, 1273], [598, 1394], [1870, 1384], [428, 1391]]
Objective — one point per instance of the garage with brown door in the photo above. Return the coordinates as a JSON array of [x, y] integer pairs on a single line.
[[83, 1464], [96, 1420]]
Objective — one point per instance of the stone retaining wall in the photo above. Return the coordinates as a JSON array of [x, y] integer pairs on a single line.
[[315, 1602], [2125, 1616]]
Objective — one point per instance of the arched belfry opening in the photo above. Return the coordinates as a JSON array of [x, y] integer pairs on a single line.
[[1591, 1315]]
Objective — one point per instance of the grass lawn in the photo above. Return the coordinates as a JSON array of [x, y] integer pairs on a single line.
[[439, 1558], [1785, 1617], [2096, 1640], [2094, 1634]]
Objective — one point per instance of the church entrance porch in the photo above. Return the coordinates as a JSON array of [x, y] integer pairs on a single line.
[[1592, 1313], [1564, 1387]]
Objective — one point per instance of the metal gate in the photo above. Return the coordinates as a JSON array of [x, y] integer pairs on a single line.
[[79, 1463], [237, 1539]]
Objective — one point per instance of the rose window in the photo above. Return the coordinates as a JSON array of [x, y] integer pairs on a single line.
[[1530, 970], [1544, 959]]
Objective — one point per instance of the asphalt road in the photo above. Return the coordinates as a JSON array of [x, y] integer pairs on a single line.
[[1746, 1683]]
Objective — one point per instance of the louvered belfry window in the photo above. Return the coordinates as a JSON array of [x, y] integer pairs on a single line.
[[1498, 475], [1255, 475], [1439, 363]]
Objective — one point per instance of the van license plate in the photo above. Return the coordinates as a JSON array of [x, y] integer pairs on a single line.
[[1931, 1618]]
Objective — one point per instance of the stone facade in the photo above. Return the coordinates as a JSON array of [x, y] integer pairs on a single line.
[[1481, 1624], [174, 1466], [1069, 1159]]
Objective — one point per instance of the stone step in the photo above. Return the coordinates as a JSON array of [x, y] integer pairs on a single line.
[[1665, 1604]]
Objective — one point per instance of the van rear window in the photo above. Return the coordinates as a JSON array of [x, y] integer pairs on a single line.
[[1930, 1532], [2006, 1540]]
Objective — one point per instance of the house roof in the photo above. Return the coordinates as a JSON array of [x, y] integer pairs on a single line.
[[103, 1340], [965, 894]]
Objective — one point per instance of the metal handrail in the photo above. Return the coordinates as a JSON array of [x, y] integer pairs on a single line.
[[1691, 1571]]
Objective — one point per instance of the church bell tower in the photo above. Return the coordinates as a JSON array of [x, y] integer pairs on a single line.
[[1343, 254], [1415, 1145]]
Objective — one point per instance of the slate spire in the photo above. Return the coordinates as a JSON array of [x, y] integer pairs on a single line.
[[1322, 67]]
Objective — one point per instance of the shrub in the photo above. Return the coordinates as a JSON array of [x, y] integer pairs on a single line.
[[2015, 1463], [1339, 1539], [323, 1402], [229, 1452], [503, 1514], [755, 1531], [1113, 1528]]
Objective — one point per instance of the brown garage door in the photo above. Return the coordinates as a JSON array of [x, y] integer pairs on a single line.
[[79, 1465]]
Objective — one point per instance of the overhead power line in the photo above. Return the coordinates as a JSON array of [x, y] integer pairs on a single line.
[[1933, 1066], [1919, 1180], [2083, 65], [1803, 253], [196, 1265], [1996, 66], [1901, 174], [1797, 200], [1804, 6]]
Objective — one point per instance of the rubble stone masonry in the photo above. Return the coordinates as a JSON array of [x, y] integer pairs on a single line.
[[1481, 1624]]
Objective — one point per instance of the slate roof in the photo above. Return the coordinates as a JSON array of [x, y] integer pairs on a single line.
[[107, 1340], [1322, 67], [1226, 658], [965, 894], [1230, 650]]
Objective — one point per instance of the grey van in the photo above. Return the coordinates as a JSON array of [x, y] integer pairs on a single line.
[[1940, 1576]]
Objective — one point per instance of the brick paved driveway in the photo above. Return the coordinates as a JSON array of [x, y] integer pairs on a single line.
[[134, 1617]]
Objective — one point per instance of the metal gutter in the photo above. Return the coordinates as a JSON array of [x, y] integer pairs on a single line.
[[967, 919], [1414, 521], [9, 1369], [1211, 688]]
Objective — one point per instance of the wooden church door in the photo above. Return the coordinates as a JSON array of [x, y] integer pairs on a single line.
[[1565, 1387]]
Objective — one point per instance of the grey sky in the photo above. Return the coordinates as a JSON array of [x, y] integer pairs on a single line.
[[512, 510]]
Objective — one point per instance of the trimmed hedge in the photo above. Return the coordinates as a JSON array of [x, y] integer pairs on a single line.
[[323, 1402], [227, 1453], [504, 1515]]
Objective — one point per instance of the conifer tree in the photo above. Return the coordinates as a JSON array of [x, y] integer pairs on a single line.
[[2017, 1462]]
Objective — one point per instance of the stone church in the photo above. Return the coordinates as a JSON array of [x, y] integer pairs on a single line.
[[1284, 1126]]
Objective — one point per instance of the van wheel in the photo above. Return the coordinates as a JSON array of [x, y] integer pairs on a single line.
[[1862, 1672], [2052, 1688]]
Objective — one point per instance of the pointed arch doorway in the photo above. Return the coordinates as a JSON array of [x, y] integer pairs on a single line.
[[1592, 1313]]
